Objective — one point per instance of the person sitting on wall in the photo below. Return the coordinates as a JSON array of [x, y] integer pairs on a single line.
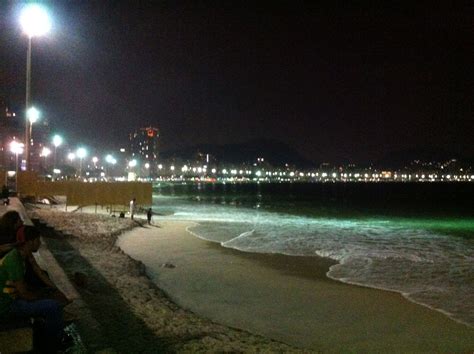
[[17, 300], [35, 277], [10, 222]]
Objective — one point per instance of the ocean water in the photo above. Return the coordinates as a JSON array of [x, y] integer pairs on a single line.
[[418, 242]]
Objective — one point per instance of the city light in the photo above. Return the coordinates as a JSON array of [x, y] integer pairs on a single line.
[[132, 163], [33, 115], [71, 156], [57, 140], [16, 147], [110, 159], [45, 152], [35, 20], [81, 152]]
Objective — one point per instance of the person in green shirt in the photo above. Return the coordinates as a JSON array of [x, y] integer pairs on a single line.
[[17, 300]]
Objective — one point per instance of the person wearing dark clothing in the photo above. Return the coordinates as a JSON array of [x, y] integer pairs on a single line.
[[5, 192], [10, 222], [17, 300], [149, 214], [35, 276]]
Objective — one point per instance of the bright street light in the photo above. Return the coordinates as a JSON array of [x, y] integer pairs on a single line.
[[110, 159], [33, 115], [57, 141], [71, 156], [16, 147], [35, 22], [81, 153], [132, 163], [45, 152]]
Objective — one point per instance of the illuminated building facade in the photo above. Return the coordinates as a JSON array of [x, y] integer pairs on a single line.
[[11, 128], [144, 145]]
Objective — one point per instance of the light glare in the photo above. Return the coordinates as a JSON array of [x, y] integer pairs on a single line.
[[35, 20]]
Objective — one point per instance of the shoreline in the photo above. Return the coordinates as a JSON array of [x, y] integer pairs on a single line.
[[369, 334], [386, 321], [126, 312], [330, 263]]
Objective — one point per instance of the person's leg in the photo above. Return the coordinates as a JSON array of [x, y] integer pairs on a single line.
[[47, 309]]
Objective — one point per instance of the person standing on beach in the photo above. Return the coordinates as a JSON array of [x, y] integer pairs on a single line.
[[17, 300], [149, 214], [132, 208]]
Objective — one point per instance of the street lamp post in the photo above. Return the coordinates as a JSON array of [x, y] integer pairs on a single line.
[[57, 141], [110, 160], [81, 153], [32, 115], [45, 153], [35, 22], [16, 148]]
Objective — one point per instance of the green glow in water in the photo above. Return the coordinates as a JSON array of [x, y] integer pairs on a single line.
[[463, 227]]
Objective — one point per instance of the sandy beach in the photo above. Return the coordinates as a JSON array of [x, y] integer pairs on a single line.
[[218, 300], [120, 309]]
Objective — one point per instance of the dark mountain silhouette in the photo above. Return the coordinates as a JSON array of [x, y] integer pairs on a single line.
[[274, 152]]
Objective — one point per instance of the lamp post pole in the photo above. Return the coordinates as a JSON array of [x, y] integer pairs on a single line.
[[35, 22], [28, 89]]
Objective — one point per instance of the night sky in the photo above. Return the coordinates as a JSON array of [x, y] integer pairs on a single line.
[[337, 83]]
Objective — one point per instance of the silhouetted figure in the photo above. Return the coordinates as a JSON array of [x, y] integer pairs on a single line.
[[5, 192], [132, 207], [149, 214], [10, 222], [35, 277]]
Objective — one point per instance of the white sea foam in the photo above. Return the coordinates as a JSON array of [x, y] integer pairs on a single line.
[[430, 268]]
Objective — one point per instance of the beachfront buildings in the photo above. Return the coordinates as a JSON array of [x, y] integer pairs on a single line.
[[12, 128], [144, 147]]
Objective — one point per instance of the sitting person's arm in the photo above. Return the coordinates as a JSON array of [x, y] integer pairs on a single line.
[[23, 292], [52, 292], [40, 273]]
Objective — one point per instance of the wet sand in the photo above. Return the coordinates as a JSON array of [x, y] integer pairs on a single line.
[[120, 310], [273, 299], [289, 298]]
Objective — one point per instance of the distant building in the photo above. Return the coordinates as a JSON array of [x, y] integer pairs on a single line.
[[40, 138], [144, 146], [11, 128]]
